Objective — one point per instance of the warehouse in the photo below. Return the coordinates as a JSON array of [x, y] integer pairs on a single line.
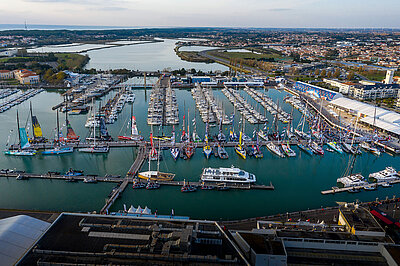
[[385, 120]]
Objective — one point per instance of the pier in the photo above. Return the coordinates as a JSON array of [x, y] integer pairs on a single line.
[[137, 164], [346, 189], [268, 104], [246, 109]]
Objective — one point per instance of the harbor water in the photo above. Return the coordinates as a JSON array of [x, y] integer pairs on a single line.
[[298, 181]]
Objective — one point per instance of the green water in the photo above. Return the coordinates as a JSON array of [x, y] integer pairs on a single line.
[[298, 181]]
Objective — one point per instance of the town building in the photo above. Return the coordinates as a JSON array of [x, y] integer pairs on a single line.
[[6, 74], [26, 77], [344, 87], [398, 100], [389, 76], [376, 91]]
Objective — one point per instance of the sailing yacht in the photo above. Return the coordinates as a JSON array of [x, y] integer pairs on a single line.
[[275, 149], [349, 179], [23, 145], [57, 149], [152, 175], [335, 146], [287, 150], [207, 149], [239, 148], [36, 129], [134, 131], [95, 148]]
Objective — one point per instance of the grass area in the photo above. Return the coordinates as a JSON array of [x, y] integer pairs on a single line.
[[70, 60], [193, 56], [6, 59], [246, 55]]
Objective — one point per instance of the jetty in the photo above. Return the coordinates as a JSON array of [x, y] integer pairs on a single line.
[[137, 164], [346, 189], [246, 109]]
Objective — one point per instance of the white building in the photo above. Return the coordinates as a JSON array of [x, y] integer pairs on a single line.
[[389, 76], [344, 87]]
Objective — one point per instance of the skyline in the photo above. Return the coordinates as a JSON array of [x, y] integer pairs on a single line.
[[227, 13]]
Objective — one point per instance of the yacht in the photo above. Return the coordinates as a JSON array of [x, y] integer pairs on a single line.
[[334, 145], [386, 175], [275, 149], [352, 180], [231, 175]]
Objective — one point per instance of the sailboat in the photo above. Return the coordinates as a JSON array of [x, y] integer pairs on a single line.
[[57, 149], [349, 179], [134, 131], [36, 129], [195, 136], [153, 152], [350, 148], [287, 150], [174, 151], [257, 153], [335, 146], [221, 136], [184, 136], [104, 135], [239, 148], [207, 149], [300, 133], [155, 175], [232, 135], [23, 145], [95, 148]]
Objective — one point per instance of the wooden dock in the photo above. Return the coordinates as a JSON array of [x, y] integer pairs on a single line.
[[137, 164], [346, 189]]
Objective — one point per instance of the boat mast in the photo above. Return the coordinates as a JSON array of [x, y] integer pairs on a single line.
[[188, 132], [94, 123], [30, 109], [158, 156], [132, 119], [19, 133], [58, 129]]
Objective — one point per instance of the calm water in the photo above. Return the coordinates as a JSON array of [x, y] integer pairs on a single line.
[[146, 57], [298, 181]]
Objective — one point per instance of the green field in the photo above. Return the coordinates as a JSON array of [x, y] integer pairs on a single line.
[[70, 60]]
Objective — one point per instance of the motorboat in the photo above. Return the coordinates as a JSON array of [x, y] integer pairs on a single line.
[[227, 175]]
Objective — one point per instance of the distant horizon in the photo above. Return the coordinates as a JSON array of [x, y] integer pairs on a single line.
[[11, 26]]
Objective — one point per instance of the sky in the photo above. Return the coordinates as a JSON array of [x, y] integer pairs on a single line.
[[205, 13]]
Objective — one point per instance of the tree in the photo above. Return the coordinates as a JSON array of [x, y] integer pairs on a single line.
[[336, 74], [323, 73], [317, 72], [350, 76]]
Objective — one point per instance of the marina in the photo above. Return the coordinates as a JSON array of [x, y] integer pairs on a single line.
[[268, 104], [210, 109], [16, 99], [247, 111]]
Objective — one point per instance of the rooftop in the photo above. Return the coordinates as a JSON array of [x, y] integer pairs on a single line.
[[75, 238]]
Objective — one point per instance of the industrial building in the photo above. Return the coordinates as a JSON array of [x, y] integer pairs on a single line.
[[382, 119], [316, 91], [350, 234]]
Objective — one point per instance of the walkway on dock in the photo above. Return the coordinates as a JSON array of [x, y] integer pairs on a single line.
[[137, 164], [344, 189]]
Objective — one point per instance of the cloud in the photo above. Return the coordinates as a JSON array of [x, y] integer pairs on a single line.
[[280, 9]]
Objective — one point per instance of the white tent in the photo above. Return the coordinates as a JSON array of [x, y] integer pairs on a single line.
[[146, 211], [17, 235], [131, 209], [139, 210]]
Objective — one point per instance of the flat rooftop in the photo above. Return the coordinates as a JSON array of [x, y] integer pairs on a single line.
[[360, 219], [97, 239]]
